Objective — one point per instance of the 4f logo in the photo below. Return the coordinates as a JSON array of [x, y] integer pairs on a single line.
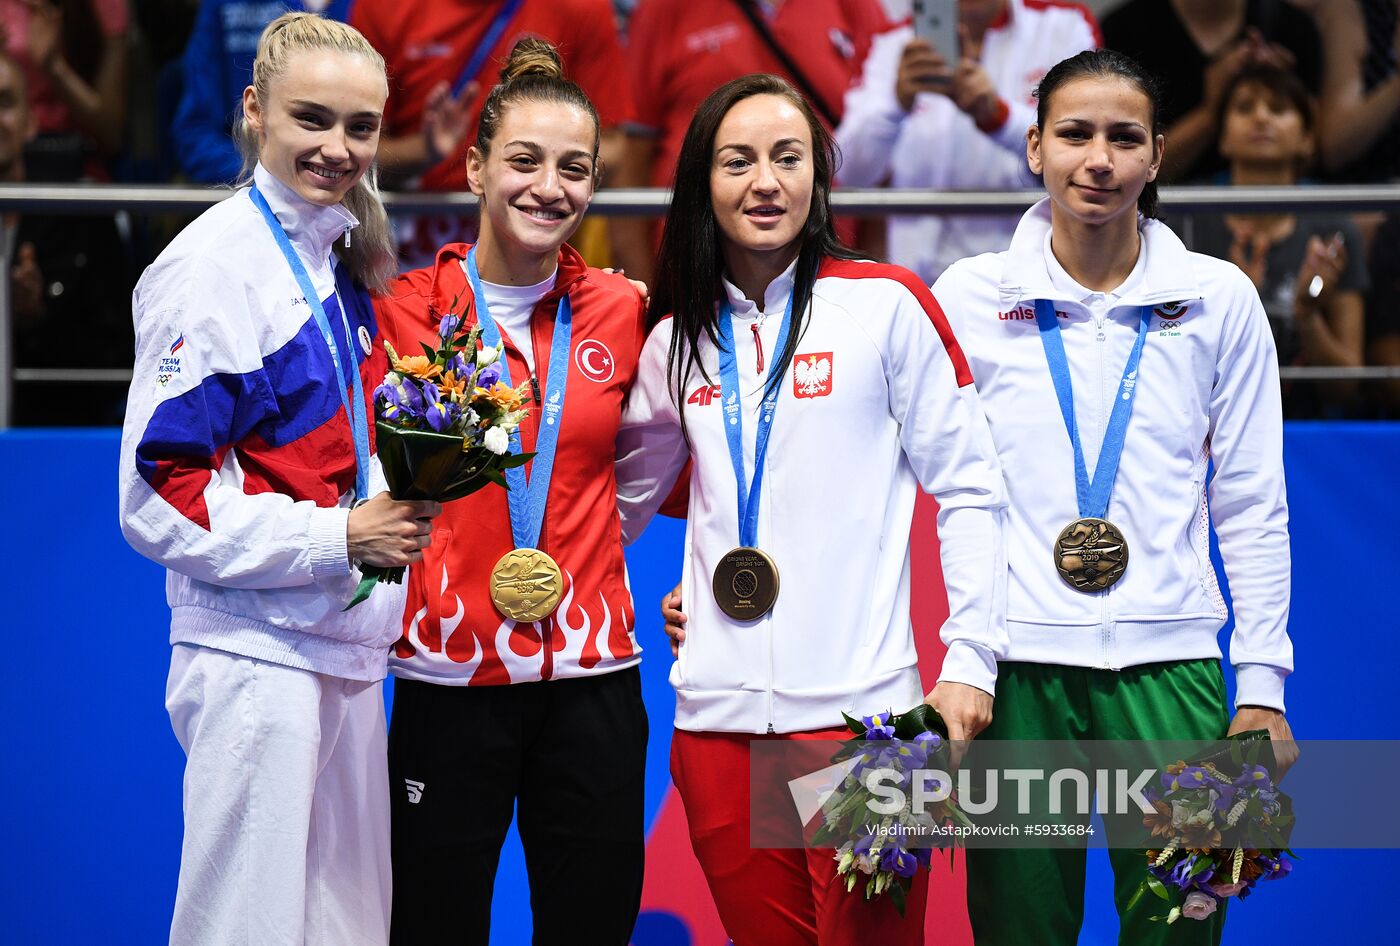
[[415, 790], [702, 396]]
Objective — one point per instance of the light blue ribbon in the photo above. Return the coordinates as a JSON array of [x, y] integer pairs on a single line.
[[359, 419], [1092, 494], [527, 502], [750, 496]]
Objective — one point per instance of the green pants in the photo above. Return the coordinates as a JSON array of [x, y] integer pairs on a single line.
[[1035, 897]]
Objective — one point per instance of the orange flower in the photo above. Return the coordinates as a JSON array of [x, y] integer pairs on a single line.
[[419, 366], [1160, 821], [502, 395], [451, 384]]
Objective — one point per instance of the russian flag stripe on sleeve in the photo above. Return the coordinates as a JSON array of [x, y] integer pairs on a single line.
[[187, 436]]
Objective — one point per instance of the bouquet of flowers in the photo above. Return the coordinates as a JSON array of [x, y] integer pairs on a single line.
[[443, 425], [889, 849], [1224, 833]]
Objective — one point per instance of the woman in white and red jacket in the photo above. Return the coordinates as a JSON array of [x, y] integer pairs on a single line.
[[498, 710], [765, 324]]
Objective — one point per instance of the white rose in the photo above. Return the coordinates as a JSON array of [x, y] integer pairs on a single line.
[[487, 355], [497, 441]]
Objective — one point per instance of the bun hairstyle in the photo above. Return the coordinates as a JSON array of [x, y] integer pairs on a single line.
[[533, 73], [370, 256], [1107, 64]]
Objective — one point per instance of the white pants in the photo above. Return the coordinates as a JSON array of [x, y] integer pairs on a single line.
[[286, 804]]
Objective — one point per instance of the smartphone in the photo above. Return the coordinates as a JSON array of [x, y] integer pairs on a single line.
[[937, 22]]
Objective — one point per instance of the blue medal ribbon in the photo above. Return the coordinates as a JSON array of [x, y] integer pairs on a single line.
[[750, 495], [527, 502], [483, 47], [359, 419], [1092, 494]]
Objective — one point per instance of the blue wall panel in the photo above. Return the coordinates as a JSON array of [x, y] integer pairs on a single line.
[[91, 793]]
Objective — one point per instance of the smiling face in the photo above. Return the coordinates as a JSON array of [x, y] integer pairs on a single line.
[[1263, 126], [538, 178], [318, 130], [761, 176], [1096, 150]]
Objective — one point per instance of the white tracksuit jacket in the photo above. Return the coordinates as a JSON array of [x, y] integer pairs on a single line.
[[1207, 391], [882, 404], [937, 145]]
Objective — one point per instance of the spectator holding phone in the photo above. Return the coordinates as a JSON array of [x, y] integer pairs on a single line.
[[1309, 269], [921, 116]]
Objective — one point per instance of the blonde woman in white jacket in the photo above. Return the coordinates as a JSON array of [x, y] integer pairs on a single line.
[[1098, 325]]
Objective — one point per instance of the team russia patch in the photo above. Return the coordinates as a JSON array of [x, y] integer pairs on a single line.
[[811, 374]]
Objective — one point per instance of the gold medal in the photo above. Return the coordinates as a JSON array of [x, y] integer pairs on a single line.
[[526, 585], [746, 584], [1091, 554]]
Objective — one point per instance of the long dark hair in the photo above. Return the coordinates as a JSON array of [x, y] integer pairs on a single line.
[[690, 265], [1106, 64]]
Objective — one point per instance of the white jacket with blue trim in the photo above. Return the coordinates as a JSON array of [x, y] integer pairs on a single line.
[[1207, 392], [237, 460]]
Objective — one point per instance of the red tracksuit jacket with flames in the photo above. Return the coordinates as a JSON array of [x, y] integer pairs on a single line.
[[452, 633]]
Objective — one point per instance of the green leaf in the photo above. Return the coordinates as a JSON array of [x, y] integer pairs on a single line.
[[431, 353], [362, 591], [897, 896], [854, 725], [1137, 895], [1202, 864], [1157, 887], [512, 460]]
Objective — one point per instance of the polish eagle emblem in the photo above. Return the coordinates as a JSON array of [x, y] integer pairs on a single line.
[[812, 375]]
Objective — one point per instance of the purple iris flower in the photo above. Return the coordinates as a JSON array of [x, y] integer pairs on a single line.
[[447, 328], [877, 726], [400, 401], [862, 845], [1224, 798], [489, 375], [1181, 874], [439, 413], [1254, 776], [1276, 868], [457, 365], [895, 858]]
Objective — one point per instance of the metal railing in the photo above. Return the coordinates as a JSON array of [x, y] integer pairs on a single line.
[[164, 199]]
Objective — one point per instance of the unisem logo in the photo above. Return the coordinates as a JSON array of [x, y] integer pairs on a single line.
[[1025, 313]]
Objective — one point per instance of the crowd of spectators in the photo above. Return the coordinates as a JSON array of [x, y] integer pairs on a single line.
[[1278, 92]]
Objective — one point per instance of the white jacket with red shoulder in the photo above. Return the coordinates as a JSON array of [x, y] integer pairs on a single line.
[[878, 402]]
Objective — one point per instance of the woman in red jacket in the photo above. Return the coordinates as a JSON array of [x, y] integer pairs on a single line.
[[502, 700]]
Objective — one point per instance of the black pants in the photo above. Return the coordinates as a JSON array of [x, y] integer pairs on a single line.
[[571, 754]]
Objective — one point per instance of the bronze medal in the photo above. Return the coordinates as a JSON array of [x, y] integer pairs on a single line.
[[526, 585], [746, 584], [1091, 554]]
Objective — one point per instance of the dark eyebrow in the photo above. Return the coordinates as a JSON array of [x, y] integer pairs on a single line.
[[1139, 126], [789, 142], [538, 151]]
